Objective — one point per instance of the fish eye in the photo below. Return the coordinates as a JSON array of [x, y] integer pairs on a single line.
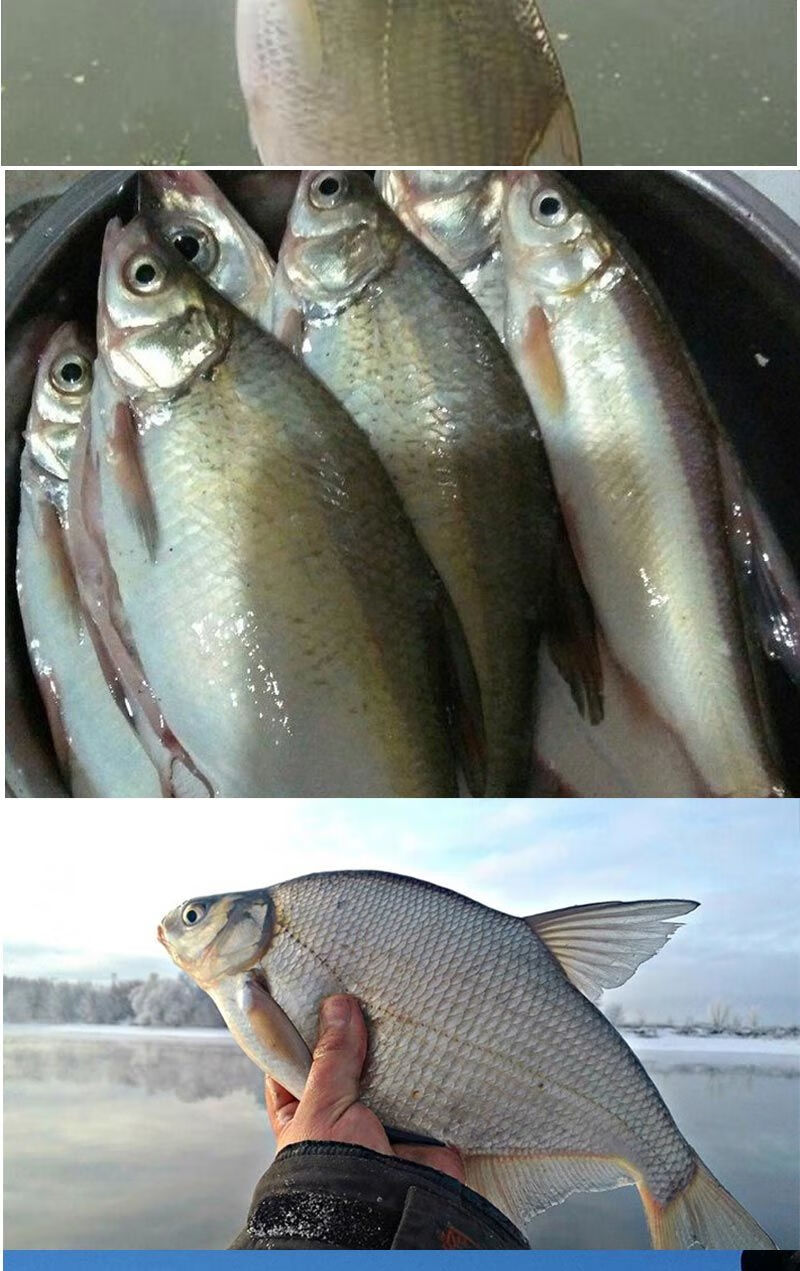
[[192, 913], [196, 245], [71, 374], [145, 274], [548, 208], [328, 189]]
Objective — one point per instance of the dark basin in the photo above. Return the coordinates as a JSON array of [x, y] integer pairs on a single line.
[[727, 262]]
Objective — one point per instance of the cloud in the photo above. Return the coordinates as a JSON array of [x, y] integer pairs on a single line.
[[92, 889]]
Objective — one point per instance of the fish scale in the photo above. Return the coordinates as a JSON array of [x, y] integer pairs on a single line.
[[650, 530], [479, 1035], [525, 1023], [278, 655], [419, 367], [404, 81]]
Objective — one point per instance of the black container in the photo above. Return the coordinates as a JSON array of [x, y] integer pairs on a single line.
[[726, 260]]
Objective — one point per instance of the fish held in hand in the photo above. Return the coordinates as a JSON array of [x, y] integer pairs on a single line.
[[282, 613], [97, 750], [411, 356], [403, 81], [483, 1034]]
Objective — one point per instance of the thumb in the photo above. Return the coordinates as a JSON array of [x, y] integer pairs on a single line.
[[333, 1082]]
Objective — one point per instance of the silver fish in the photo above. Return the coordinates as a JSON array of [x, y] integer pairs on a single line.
[[413, 359], [98, 751], [482, 1031], [634, 449], [403, 81], [551, 290], [190, 211], [270, 591]]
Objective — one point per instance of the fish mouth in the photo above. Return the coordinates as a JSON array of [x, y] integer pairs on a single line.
[[161, 935]]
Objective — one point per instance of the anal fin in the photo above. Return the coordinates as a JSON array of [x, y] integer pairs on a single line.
[[523, 1186], [769, 586]]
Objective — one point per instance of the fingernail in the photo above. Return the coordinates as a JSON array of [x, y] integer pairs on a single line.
[[336, 1012]]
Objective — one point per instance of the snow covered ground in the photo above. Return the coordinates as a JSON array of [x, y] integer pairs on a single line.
[[724, 1049], [662, 1042]]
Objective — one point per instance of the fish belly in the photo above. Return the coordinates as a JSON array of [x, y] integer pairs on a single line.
[[104, 756]]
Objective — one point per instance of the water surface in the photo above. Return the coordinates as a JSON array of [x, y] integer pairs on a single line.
[[654, 81], [115, 1141]]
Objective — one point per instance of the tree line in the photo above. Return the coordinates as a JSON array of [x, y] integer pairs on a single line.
[[152, 1003]]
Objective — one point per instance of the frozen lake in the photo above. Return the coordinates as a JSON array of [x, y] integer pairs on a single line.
[[678, 82], [162, 1136]]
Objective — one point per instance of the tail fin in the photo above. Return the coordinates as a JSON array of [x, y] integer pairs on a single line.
[[703, 1216]]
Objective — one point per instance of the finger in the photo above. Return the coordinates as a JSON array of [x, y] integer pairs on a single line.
[[333, 1082], [281, 1105], [445, 1159]]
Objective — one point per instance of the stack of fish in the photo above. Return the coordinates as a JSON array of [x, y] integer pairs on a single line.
[[435, 503]]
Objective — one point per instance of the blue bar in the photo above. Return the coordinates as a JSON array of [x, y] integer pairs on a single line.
[[206, 1260]]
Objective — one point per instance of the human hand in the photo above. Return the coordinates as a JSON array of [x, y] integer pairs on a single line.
[[329, 1108]]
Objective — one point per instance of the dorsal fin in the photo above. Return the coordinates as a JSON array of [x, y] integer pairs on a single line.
[[600, 946]]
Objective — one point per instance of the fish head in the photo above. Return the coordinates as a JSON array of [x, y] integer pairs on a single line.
[[340, 237], [216, 936], [454, 212], [190, 211], [159, 325], [548, 239], [62, 389]]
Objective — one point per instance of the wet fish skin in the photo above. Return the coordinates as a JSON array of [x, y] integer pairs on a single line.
[[633, 446], [251, 530], [412, 358], [477, 1036], [456, 214], [637, 749], [98, 752], [190, 211], [402, 81]]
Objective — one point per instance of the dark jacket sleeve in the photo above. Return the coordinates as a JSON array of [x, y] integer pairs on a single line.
[[339, 1196]]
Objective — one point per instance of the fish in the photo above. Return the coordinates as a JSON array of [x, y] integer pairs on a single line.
[[413, 359], [98, 753], [635, 451], [257, 585], [483, 1032], [404, 82], [654, 738], [190, 211]]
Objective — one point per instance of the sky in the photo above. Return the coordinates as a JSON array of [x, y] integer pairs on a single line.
[[84, 895]]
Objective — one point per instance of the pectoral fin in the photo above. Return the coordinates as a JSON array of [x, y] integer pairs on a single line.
[[600, 946], [285, 318], [124, 458], [540, 366], [274, 1043]]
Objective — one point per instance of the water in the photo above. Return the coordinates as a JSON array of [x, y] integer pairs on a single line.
[[163, 1137], [668, 82]]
